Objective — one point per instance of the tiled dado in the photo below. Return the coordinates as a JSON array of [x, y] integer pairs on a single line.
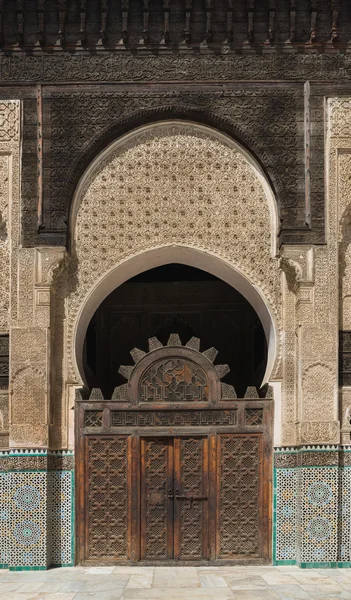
[[312, 506], [36, 509]]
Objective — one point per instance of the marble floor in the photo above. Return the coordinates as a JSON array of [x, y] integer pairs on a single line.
[[176, 583]]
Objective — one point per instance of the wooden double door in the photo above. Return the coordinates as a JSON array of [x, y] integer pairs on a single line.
[[174, 467], [191, 497], [174, 498]]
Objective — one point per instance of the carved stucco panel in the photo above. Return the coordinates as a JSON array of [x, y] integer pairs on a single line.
[[319, 392], [9, 228], [29, 387], [289, 366], [339, 180], [9, 155], [340, 118], [4, 243]]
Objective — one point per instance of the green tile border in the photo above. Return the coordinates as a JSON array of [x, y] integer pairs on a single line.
[[28, 568]]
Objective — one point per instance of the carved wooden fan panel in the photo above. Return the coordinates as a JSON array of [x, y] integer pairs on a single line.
[[173, 373]]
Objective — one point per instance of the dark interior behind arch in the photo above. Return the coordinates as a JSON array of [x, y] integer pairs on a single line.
[[179, 299]]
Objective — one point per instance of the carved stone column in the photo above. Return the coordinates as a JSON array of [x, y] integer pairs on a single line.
[[31, 349], [308, 475]]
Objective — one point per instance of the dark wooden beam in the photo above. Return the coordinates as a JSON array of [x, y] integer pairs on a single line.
[[125, 10], [208, 21], [314, 16], [271, 26], [83, 21], [20, 20], [62, 7], [250, 20], [292, 20], [103, 20], [41, 22], [166, 11], [335, 13], [188, 11], [145, 38], [230, 21]]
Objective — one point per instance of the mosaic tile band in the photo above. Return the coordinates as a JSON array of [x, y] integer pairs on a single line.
[[312, 506], [36, 509]]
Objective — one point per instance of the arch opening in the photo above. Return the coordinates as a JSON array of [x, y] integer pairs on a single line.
[[175, 299], [212, 267]]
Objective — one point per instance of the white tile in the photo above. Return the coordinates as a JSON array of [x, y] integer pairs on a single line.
[[212, 581]]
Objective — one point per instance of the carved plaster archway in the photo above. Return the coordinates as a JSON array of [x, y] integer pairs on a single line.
[[184, 255], [173, 192]]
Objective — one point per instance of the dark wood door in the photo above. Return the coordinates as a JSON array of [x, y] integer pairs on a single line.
[[174, 466], [174, 498]]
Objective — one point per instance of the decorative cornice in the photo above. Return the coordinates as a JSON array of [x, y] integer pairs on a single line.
[[102, 66]]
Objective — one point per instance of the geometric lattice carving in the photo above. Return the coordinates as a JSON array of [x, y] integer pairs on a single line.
[[155, 498], [107, 497], [253, 416], [191, 513], [93, 418], [239, 495]]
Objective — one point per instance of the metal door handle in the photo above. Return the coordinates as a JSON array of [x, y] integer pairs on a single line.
[[170, 495], [189, 497]]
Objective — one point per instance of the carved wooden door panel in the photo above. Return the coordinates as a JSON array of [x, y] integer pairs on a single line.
[[191, 498], [107, 497], [156, 498], [239, 481], [174, 498]]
